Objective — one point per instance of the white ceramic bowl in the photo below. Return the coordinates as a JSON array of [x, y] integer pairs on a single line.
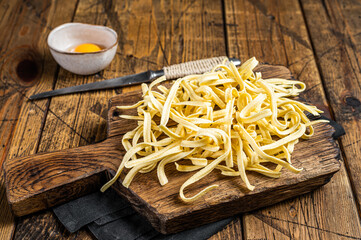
[[65, 37]]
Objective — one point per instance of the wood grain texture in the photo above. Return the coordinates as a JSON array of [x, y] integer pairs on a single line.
[[35, 19], [275, 32], [40, 181], [46, 226], [339, 62], [231, 231], [21, 59], [7, 224], [8, 114], [73, 173]]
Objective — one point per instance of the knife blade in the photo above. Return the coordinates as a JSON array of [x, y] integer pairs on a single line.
[[144, 77]]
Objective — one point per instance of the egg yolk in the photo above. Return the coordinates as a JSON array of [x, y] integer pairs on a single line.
[[86, 48]]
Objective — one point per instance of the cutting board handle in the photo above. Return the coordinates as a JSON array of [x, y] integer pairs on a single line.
[[44, 180]]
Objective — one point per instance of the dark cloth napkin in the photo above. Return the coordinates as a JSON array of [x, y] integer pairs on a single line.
[[339, 130], [109, 217]]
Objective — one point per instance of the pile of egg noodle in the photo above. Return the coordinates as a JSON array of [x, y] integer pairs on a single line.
[[229, 119]]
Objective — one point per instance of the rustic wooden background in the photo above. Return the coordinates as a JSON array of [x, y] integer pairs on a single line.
[[320, 41]]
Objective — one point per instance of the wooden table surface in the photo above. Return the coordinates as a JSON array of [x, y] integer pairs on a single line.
[[320, 41]]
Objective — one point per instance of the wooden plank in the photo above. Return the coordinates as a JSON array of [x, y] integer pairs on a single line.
[[26, 61], [8, 114], [45, 226], [231, 231], [7, 224], [147, 41], [338, 24], [275, 32], [21, 68]]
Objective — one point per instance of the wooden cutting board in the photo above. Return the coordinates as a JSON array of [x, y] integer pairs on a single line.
[[44, 180]]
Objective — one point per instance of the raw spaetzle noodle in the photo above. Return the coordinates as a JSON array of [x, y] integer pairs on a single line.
[[229, 119]]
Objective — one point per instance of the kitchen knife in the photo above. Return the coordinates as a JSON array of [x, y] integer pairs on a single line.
[[171, 72]]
